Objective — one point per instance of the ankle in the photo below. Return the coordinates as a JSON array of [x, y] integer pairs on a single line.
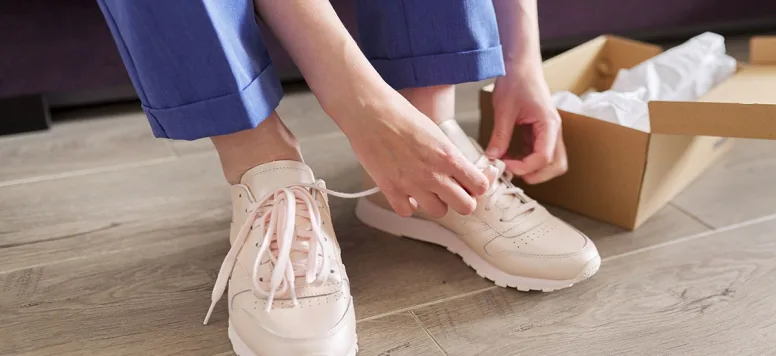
[[269, 141], [436, 102]]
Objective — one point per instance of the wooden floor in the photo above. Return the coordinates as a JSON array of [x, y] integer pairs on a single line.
[[110, 242]]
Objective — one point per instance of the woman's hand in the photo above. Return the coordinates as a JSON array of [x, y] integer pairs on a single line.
[[524, 99], [412, 161], [406, 154]]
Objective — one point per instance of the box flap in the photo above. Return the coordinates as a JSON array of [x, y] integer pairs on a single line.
[[622, 53], [762, 50], [574, 70], [743, 106], [595, 63]]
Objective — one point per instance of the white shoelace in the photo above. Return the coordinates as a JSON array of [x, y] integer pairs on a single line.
[[501, 186], [275, 218]]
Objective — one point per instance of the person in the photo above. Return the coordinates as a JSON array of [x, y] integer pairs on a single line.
[[201, 70]]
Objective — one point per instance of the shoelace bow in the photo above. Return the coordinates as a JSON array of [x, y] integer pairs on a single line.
[[501, 186], [275, 216]]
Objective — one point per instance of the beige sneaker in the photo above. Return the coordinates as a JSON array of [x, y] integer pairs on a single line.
[[509, 239], [288, 290]]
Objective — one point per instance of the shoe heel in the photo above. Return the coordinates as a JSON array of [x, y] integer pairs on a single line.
[[379, 218], [387, 221]]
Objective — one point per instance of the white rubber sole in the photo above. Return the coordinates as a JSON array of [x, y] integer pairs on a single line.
[[385, 220], [242, 349]]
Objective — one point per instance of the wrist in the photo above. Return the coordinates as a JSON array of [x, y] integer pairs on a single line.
[[525, 81], [527, 67], [358, 104]]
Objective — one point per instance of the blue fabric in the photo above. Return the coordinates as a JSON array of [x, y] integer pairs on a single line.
[[201, 67], [417, 43]]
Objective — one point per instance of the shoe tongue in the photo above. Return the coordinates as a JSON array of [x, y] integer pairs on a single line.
[[269, 177], [460, 139]]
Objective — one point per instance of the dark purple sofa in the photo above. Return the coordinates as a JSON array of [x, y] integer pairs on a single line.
[[61, 53]]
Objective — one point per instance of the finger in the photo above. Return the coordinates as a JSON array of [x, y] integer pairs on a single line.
[[401, 203], [468, 176], [431, 204], [558, 167], [543, 175], [456, 197], [503, 129], [546, 133]]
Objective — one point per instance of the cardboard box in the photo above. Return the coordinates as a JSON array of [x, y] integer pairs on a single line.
[[624, 176]]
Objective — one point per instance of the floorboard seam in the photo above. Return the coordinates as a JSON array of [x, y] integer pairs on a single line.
[[692, 216], [160, 244], [746, 223], [417, 320], [83, 172], [418, 306], [59, 238], [118, 167]]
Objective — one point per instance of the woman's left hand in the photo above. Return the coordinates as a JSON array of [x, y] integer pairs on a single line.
[[524, 99]]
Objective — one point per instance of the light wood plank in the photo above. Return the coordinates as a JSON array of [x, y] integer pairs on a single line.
[[705, 296], [738, 188], [394, 335], [91, 214], [105, 136], [147, 301], [65, 218], [668, 224], [115, 211]]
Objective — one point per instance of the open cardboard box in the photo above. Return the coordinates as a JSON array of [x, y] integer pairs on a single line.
[[624, 176]]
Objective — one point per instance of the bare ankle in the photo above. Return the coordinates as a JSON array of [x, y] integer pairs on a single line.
[[269, 141], [436, 102]]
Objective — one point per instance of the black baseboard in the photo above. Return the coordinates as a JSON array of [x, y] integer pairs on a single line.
[[24, 114]]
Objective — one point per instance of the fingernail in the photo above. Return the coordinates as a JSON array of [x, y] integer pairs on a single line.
[[492, 152]]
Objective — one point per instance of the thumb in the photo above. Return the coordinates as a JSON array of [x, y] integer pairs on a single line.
[[503, 128]]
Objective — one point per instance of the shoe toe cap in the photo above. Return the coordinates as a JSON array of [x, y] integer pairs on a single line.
[[553, 250], [322, 325]]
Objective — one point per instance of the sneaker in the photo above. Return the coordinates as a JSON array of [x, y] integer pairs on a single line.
[[288, 290], [509, 239]]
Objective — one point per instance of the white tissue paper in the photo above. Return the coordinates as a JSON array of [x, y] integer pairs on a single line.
[[683, 73]]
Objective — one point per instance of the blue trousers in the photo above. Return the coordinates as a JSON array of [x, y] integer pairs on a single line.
[[201, 68]]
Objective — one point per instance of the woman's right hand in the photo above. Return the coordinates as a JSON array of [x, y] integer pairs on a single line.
[[412, 161]]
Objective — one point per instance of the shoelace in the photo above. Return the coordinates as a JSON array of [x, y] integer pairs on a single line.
[[275, 216], [501, 186]]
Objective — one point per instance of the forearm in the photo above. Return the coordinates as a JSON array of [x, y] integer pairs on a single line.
[[328, 57], [518, 25]]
